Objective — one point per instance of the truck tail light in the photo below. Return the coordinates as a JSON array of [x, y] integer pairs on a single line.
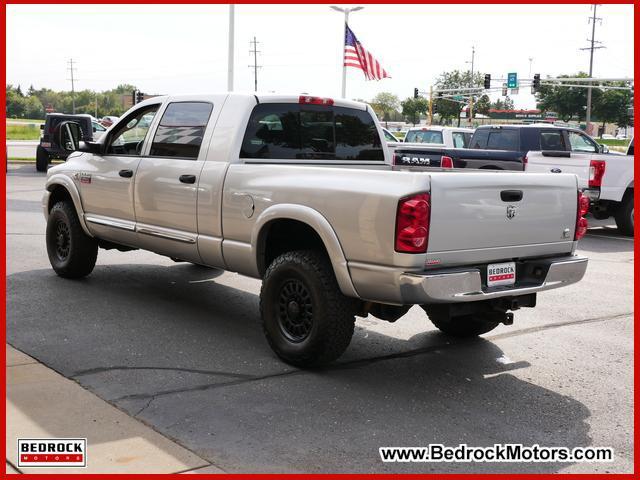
[[581, 222], [446, 162], [525, 160], [395, 159], [307, 100], [596, 172], [412, 223]]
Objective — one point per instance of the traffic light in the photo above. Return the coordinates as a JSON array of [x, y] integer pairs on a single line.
[[487, 81], [504, 90], [415, 92], [139, 96], [434, 107], [536, 81]]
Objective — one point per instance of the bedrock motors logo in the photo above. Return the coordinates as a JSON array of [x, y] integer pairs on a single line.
[[52, 452]]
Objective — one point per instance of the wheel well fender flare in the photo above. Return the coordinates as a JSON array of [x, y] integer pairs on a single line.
[[320, 225], [62, 181]]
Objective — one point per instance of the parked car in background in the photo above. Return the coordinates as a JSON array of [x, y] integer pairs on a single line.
[[607, 136], [108, 120], [450, 137], [299, 192], [388, 136], [98, 129], [48, 148], [501, 147], [606, 179]]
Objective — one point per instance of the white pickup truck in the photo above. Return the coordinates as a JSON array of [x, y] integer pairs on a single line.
[[606, 178], [300, 192]]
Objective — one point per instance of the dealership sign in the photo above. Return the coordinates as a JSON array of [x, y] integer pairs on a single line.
[[516, 114], [52, 452]]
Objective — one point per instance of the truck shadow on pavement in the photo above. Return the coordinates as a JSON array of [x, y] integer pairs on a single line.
[[180, 350]]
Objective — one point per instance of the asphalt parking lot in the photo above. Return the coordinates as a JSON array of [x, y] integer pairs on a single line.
[[180, 348]]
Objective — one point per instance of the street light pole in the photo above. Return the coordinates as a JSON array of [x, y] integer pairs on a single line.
[[346, 12], [231, 48]]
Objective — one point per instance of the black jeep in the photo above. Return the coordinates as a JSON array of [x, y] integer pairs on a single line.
[[49, 148]]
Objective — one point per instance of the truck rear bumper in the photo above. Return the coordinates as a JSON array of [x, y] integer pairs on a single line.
[[456, 285]]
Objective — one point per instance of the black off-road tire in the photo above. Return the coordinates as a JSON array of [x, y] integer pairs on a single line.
[[72, 252], [324, 327], [42, 159], [463, 326], [624, 214]]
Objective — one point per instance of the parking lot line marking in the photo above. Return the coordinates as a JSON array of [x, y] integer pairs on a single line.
[[610, 237]]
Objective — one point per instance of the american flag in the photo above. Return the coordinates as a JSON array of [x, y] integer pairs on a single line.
[[356, 56]]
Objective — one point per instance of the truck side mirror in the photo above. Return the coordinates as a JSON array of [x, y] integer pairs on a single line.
[[68, 136], [604, 149]]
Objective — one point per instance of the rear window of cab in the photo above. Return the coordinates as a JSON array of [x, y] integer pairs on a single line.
[[285, 131]]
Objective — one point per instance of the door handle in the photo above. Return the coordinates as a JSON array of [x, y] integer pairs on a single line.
[[188, 178], [511, 195], [126, 173], [556, 170]]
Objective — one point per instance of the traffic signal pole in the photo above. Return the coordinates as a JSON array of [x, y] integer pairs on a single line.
[[430, 105]]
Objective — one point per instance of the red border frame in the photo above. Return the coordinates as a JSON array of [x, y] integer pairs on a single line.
[[636, 14]]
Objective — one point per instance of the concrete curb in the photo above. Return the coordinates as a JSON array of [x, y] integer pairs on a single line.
[[43, 404]]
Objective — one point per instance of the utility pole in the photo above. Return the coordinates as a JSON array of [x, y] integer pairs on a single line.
[[346, 12], [231, 48], [593, 47], [73, 87], [255, 65]]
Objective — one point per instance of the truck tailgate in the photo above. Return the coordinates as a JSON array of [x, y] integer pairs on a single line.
[[576, 164], [477, 216]]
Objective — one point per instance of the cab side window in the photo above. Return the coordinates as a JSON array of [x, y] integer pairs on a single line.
[[128, 136], [552, 140], [181, 130], [460, 140], [581, 143]]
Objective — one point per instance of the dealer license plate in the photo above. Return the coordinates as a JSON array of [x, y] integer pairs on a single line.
[[501, 274]]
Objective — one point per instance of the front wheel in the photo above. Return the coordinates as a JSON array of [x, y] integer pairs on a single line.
[[463, 326], [305, 317], [624, 215], [72, 253]]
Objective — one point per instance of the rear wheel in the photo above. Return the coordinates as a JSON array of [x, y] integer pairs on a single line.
[[464, 325], [305, 317], [72, 252], [624, 214], [42, 159]]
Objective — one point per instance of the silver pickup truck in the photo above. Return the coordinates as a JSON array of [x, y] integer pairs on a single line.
[[299, 191]]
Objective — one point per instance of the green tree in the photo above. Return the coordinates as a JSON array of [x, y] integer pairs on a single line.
[[449, 109], [412, 108], [384, 104], [482, 105], [567, 102], [612, 107]]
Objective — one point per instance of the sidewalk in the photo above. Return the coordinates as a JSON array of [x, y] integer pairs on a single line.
[[43, 404]]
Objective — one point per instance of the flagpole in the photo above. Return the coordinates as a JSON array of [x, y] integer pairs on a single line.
[[344, 67], [346, 12]]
